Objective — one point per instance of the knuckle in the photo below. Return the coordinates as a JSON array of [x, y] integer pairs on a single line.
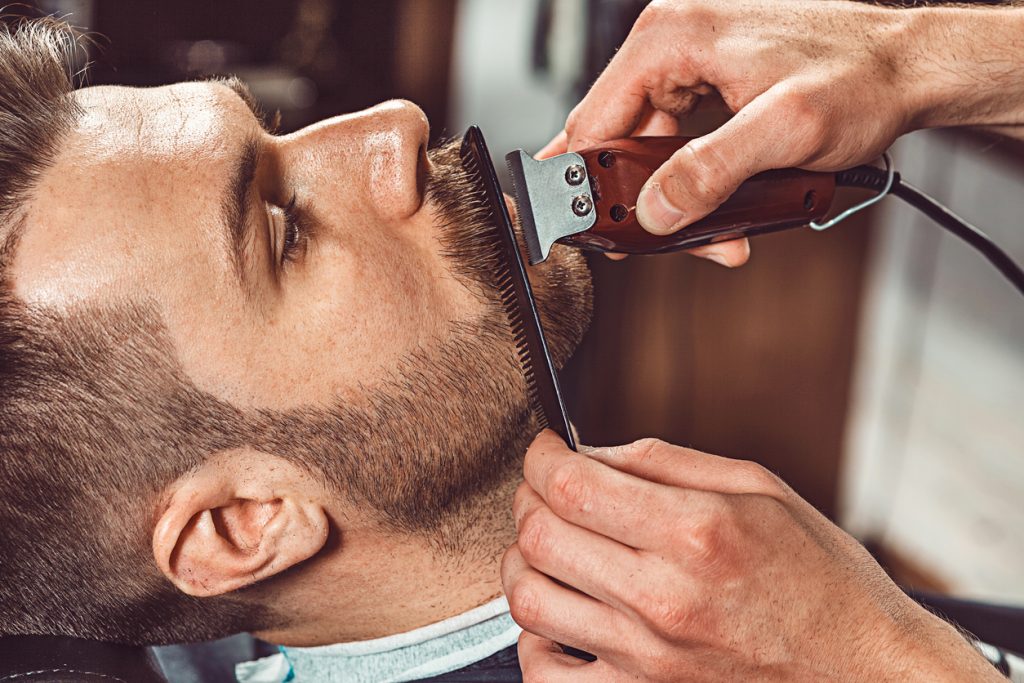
[[704, 537], [568, 489], [804, 107], [645, 450], [670, 618], [797, 102], [535, 538], [508, 562], [653, 15], [525, 604], [758, 479], [688, 22], [572, 122], [520, 499], [707, 177], [657, 11], [774, 511]]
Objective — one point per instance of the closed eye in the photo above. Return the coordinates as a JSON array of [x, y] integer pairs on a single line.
[[293, 238]]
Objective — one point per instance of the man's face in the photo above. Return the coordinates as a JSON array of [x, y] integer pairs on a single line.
[[290, 271], [175, 195]]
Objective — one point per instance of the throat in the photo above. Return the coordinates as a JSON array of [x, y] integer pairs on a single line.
[[377, 584]]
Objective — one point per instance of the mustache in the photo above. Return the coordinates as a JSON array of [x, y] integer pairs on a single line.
[[466, 218], [466, 224]]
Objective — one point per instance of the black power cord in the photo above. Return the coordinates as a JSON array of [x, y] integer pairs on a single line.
[[871, 178]]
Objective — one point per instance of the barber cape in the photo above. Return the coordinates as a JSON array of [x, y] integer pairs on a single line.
[[478, 645]]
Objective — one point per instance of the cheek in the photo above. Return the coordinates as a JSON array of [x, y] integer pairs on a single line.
[[352, 319], [388, 299], [340, 323]]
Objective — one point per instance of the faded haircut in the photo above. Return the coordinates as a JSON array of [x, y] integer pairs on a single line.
[[97, 417], [88, 405]]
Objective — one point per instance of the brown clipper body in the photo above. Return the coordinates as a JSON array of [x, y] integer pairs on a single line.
[[600, 212]]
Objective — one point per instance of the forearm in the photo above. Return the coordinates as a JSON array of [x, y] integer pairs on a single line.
[[965, 67]]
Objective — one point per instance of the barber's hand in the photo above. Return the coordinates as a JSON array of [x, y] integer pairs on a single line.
[[815, 85], [692, 567]]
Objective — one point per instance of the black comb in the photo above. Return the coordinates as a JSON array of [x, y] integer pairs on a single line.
[[516, 294]]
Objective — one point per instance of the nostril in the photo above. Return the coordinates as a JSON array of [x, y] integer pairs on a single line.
[[396, 140], [422, 170]]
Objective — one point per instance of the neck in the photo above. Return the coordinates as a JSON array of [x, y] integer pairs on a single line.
[[374, 583]]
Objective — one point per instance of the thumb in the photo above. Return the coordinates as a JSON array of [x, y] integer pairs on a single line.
[[704, 173]]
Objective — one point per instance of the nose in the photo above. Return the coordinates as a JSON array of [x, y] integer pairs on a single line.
[[379, 153]]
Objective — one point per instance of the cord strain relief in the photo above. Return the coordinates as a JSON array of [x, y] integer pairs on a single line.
[[865, 177]]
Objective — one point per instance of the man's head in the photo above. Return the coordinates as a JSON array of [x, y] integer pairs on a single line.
[[220, 348]]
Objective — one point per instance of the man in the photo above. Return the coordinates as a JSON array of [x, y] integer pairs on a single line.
[[250, 382]]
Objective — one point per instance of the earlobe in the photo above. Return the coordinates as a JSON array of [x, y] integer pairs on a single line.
[[244, 516]]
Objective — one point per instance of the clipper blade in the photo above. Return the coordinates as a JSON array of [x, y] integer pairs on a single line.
[[553, 198], [516, 293]]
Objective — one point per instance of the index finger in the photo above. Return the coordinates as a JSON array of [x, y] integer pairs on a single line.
[[616, 504], [614, 105], [678, 466], [558, 145]]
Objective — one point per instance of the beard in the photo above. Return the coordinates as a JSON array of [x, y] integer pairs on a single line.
[[561, 285], [433, 448]]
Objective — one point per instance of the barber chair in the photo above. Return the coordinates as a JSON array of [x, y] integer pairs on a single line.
[[53, 659], [49, 659]]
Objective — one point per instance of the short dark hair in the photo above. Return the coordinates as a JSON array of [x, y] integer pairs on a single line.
[[95, 418]]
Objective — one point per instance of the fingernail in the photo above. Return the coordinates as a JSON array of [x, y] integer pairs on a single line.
[[718, 257], [655, 212]]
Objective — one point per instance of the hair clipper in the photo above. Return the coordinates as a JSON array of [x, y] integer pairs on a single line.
[[588, 199]]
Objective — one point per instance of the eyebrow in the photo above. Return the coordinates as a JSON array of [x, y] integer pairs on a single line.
[[244, 92], [234, 208]]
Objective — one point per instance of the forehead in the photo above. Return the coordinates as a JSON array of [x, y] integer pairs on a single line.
[[133, 158], [152, 123]]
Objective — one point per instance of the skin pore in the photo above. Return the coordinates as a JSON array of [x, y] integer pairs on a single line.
[[301, 273]]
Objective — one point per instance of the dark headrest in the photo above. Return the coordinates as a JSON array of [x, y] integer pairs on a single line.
[[54, 659]]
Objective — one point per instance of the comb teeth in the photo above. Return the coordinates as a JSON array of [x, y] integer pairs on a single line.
[[502, 280], [515, 294]]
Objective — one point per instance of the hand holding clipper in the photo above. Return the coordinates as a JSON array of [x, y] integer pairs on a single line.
[[588, 200]]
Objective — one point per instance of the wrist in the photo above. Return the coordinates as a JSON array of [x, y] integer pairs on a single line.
[[930, 649], [961, 67]]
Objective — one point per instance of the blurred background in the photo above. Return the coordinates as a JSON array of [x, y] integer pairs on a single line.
[[878, 367]]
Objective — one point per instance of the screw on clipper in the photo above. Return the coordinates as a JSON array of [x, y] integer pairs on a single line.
[[582, 204], [575, 174]]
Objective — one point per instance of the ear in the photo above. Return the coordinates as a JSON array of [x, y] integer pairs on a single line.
[[242, 517]]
